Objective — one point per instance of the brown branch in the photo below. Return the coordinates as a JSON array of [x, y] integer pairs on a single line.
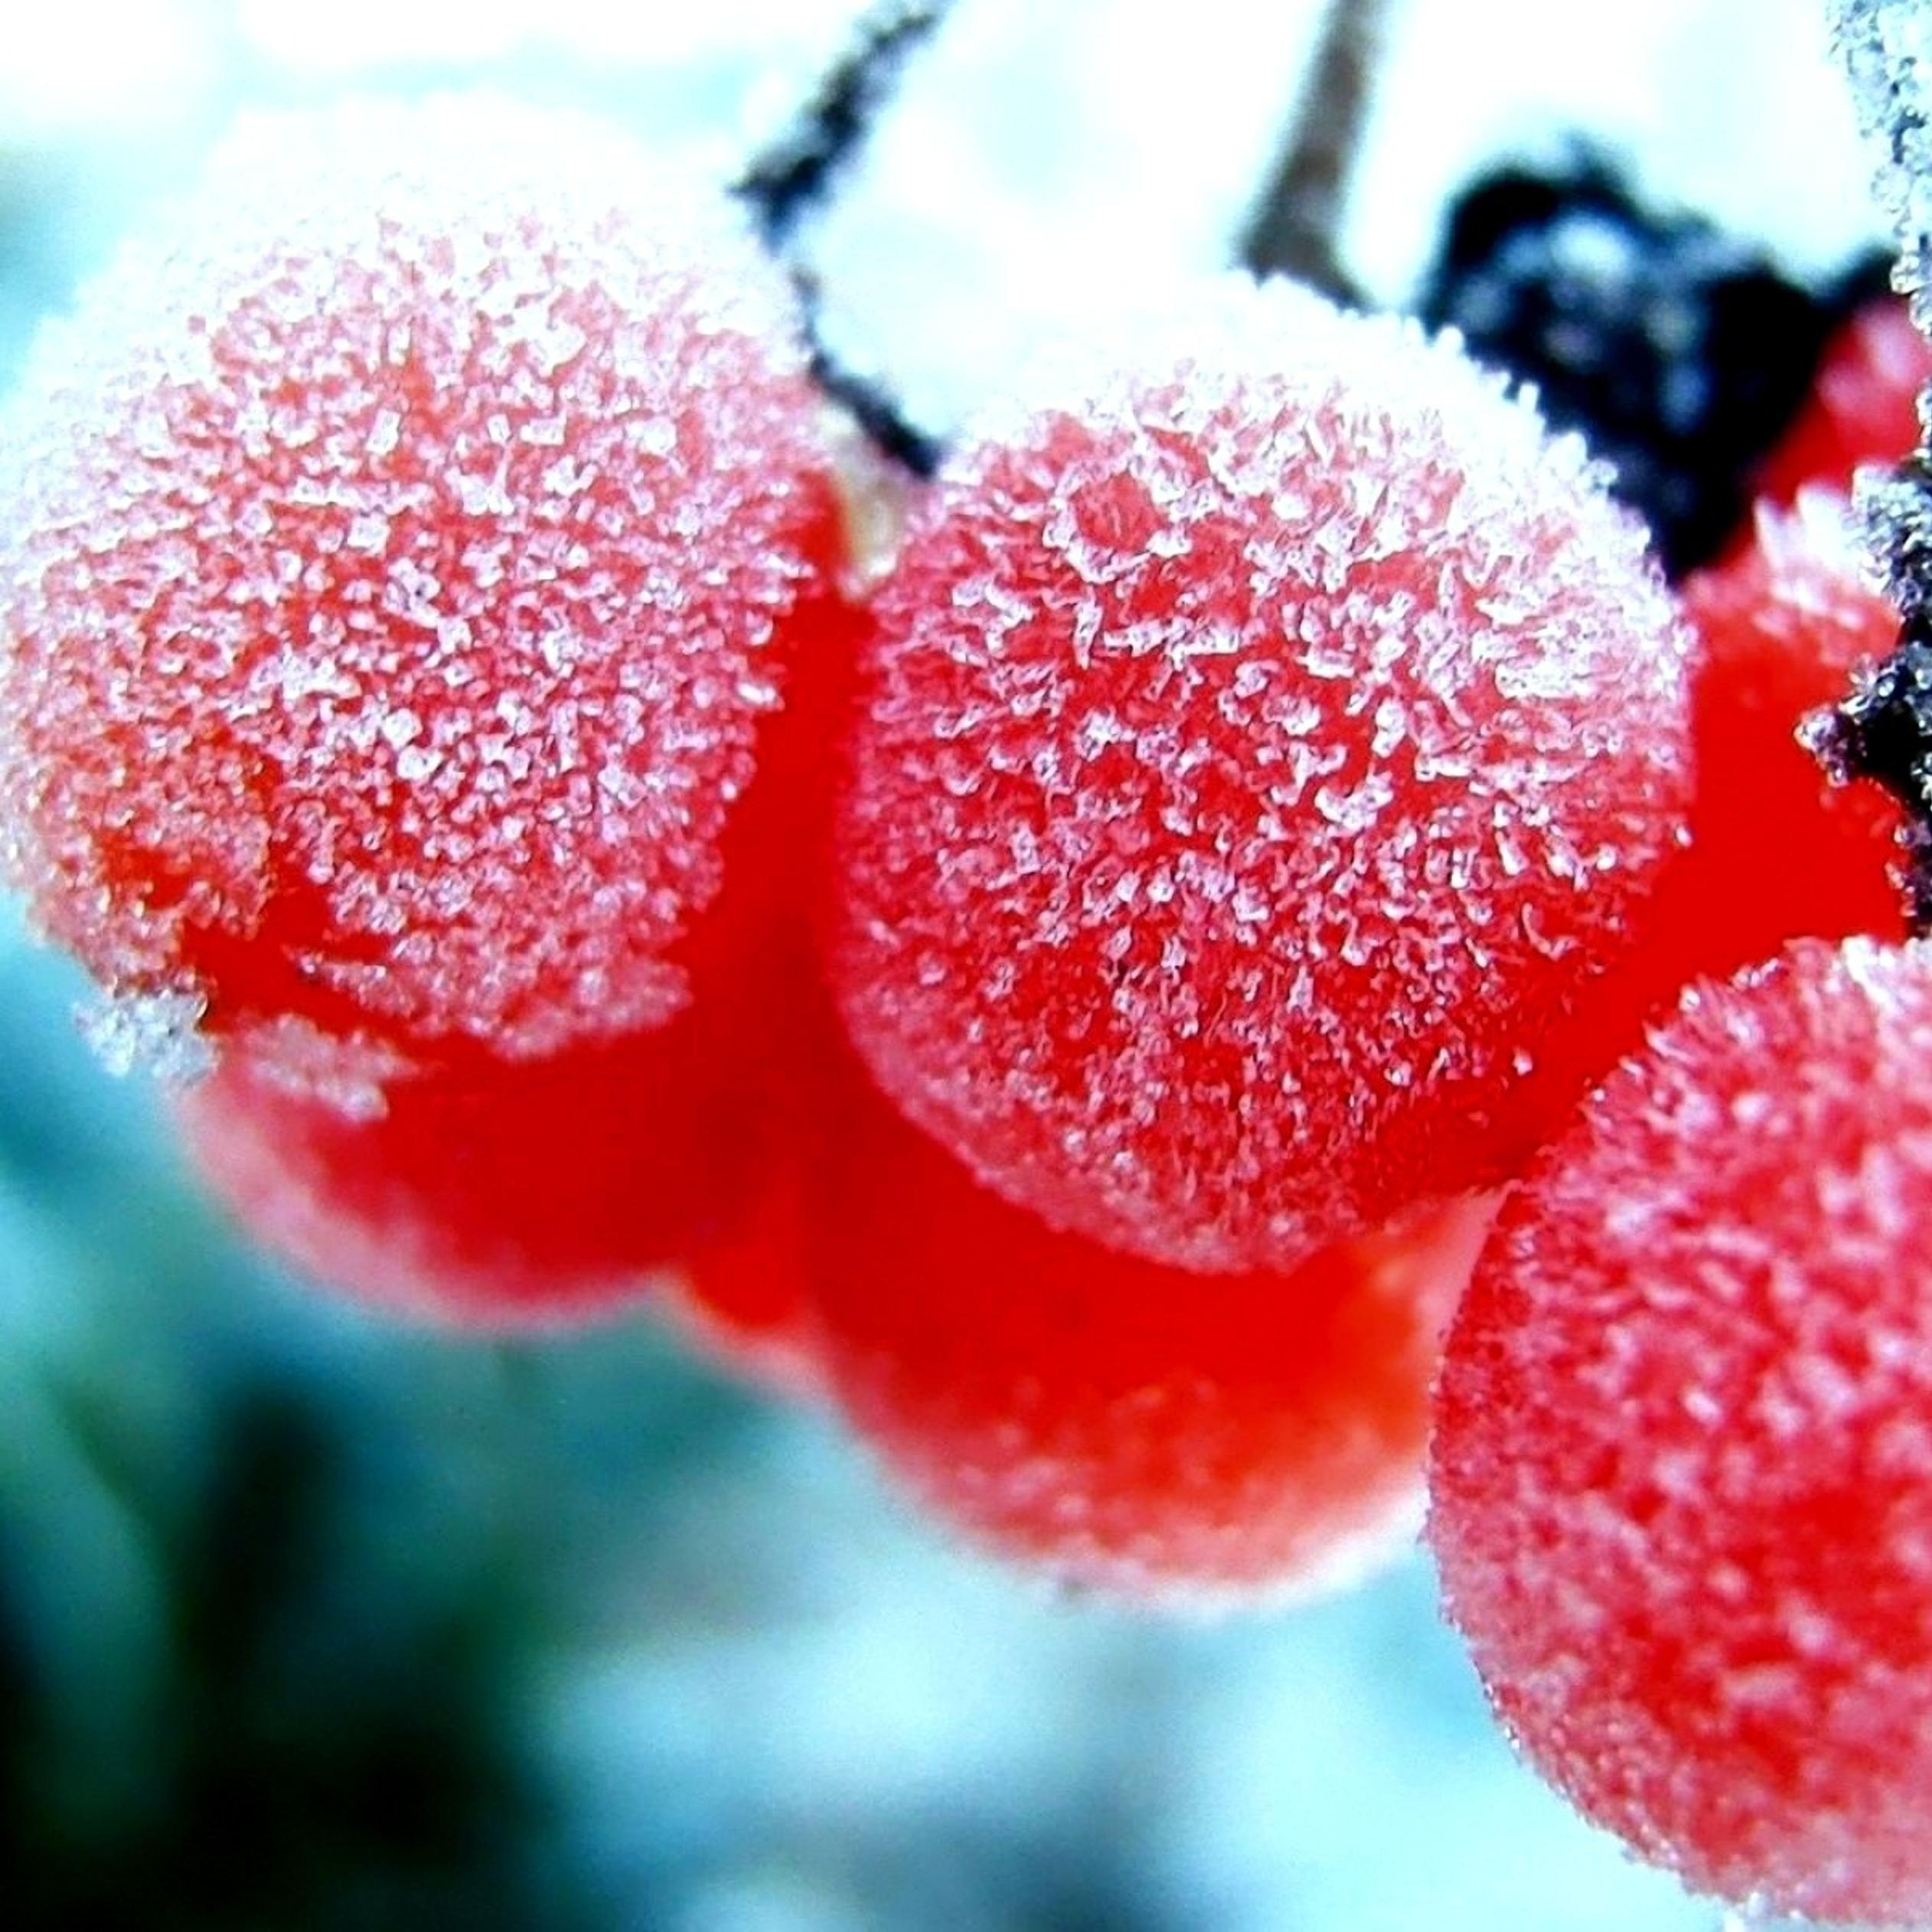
[[1295, 227]]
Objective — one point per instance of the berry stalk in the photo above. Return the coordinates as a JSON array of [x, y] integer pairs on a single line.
[[1294, 228], [796, 174]]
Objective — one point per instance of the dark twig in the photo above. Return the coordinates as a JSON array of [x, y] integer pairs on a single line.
[[796, 172], [878, 414], [791, 176], [1295, 226]]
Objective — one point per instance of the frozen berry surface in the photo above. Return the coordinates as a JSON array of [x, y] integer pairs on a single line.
[[492, 1194], [1268, 731], [1777, 852], [400, 562], [1680, 1496], [498, 1193]]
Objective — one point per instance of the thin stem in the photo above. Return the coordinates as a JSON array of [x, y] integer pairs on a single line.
[[796, 173], [1296, 226], [791, 176]]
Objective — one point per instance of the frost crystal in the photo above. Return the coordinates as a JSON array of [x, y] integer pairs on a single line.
[[1681, 1482], [1883, 731], [1271, 728], [1886, 46], [157, 1032]]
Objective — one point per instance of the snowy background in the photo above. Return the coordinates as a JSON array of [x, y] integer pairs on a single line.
[[306, 1622]]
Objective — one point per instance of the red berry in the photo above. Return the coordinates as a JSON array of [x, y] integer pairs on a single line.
[[400, 565], [743, 1300], [1165, 1436], [1681, 1478], [1864, 406], [495, 1192], [1779, 852], [1271, 730]]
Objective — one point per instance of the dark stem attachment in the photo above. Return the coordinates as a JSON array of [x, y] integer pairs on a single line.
[[794, 174], [872, 407], [797, 174], [1682, 355], [1883, 732], [1295, 227]]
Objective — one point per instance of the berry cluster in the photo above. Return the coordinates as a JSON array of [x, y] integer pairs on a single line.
[[1075, 988]]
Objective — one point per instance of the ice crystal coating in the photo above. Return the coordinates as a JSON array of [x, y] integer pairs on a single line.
[[396, 561], [1269, 729], [1681, 1479], [500, 1193], [1886, 48], [160, 1031], [1172, 1439]]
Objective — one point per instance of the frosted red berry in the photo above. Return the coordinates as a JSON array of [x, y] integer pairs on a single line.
[[401, 561], [1269, 732], [495, 1191], [1166, 1436], [1777, 851], [1681, 1478]]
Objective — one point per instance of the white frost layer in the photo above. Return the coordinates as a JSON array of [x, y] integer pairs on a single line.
[[1272, 728], [1885, 47]]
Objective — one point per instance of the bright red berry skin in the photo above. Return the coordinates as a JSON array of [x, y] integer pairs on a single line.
[[665, 1166], [496, 1195], [1682, 1476], [1164, 1437], [401, 564], [1777, 852], [1270, 731], [744, 1299], [1864, 406]]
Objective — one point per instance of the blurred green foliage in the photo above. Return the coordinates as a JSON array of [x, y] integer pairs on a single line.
[[277, 1582]]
